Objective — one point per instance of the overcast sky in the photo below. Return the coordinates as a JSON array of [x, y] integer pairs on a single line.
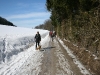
[[24, 13]]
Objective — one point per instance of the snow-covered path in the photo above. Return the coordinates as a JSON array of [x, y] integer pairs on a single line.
[[50, 61], [24, 63]]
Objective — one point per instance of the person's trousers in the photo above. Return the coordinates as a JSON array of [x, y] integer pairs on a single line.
[[37, 43]]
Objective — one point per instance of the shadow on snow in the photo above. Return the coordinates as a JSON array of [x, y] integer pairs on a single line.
[[46, 48]]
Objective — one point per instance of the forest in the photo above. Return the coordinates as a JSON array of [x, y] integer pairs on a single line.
[[3, 21]]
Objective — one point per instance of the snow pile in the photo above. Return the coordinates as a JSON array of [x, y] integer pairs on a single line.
[[23, 63], [14, 40], [76, 61]]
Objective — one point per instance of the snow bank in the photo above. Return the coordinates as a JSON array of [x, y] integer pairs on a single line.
[[14, 40]]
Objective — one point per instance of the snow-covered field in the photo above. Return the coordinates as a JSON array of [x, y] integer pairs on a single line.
[[14, 41], [18, 55]]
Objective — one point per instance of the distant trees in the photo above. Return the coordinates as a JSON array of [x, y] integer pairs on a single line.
[[47, 25], [41, 26], [3, 21]]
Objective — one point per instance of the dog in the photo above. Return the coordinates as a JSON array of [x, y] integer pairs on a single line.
[[39, 47]]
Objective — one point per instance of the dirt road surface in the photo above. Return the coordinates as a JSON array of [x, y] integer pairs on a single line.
[[56, 61]]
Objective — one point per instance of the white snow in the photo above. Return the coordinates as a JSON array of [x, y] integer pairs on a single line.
[[15, 52], [18, 55]]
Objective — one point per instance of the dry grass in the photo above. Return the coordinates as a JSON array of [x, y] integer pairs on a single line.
[[86, 57]]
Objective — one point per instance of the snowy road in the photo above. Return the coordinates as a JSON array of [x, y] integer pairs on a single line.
[[51, 60], [56, 61]]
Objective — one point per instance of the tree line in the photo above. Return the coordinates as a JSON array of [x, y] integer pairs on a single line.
[[47, 25], [3, 21], [77, 21]]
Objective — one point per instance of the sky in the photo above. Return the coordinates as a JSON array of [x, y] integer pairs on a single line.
[[24, 13]]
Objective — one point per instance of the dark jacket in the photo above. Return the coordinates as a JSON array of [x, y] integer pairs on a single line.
[[37, 37]]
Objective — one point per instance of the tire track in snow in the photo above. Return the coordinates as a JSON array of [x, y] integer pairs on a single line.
[[54, 62], [83, 70], [15, 66], [26, 62], [32, 66]]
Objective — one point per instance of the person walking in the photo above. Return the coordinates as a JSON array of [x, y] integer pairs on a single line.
[[37, 39], [54, 33], [51, 35]]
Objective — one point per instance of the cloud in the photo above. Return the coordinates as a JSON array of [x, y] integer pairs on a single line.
[[29, 19], [28, 22], [29, 15], [30, 4], [34, 6]]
